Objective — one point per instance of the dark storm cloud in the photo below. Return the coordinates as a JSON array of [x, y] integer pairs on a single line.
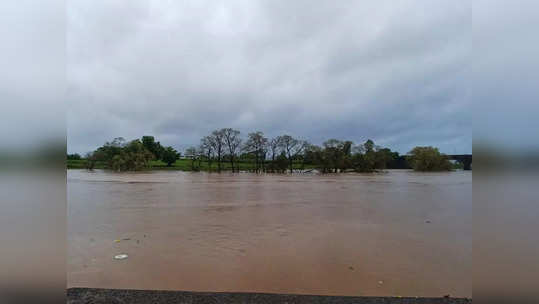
[[393, 71]]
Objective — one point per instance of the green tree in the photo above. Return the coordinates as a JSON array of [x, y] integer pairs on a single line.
[[170, 156], [428, 159], [281, 163], [154, 147], [121, 156], [74, 156], [292, 147], [273, 146], [256, 145]]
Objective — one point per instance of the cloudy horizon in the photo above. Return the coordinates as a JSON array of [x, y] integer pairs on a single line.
[[392, 71]]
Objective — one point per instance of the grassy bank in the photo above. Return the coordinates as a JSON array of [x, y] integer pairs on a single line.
[[181, 165]]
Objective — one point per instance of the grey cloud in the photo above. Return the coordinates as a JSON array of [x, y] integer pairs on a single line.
[[393, 71]]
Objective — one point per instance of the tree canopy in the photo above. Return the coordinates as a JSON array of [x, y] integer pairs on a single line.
[[261, 154], [428, 159], [134, 155]]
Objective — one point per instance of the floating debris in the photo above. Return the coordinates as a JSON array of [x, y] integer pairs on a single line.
[[122, 256], [351, 268]]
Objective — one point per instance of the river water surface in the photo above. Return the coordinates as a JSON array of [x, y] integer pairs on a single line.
[[398, 233]]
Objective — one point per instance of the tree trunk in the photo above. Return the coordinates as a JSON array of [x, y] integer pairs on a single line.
[[291, 164], [219, 162], [256, 166]]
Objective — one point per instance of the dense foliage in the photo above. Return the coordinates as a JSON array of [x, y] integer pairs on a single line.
[[120, 155], [169, 156], [428, 159], [74, 156], [224, 149]]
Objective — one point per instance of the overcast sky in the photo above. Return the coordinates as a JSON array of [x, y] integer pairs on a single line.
[[393, 71]]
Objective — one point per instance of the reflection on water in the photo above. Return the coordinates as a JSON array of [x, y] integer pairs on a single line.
[[400, 233]]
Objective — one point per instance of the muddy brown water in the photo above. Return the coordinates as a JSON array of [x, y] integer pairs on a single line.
[[394, 234]]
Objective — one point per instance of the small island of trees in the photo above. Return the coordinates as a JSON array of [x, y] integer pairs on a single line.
[[226, 150]]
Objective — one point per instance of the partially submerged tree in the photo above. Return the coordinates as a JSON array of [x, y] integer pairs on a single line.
[[225, 145], [135, 155], [233, 142], [274, 146], [368, 157], [428, 159], [206, 147], [337, 154], [256, 144], [281, 163], [292, 148], [132, 156], [218, 144]]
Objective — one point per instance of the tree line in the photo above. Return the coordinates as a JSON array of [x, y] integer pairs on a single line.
[[134, 155], [279, 154]]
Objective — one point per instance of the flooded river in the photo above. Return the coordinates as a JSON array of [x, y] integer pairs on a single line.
[[394, 234]]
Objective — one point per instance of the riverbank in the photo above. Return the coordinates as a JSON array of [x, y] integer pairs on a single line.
[[112, 296], [181, 165]]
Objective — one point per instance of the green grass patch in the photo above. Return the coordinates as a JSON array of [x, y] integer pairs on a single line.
[[181, 165]]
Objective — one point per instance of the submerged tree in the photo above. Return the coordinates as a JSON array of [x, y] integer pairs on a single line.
[[256, 144], [281, 163], [292, 147], [132, 156], [206, 148], [218, 144], [225, 144], [274, 145], [233, 143], [428, 159]]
